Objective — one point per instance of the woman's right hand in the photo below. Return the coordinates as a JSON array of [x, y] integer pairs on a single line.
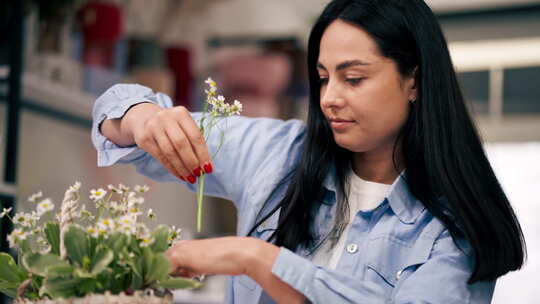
[[171, 136]]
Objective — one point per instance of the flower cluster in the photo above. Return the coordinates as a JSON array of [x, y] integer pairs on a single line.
[[219, 106], [107, 249], [214, 109], [118, 210]]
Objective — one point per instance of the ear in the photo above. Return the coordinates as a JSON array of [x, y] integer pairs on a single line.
[[411, 85]]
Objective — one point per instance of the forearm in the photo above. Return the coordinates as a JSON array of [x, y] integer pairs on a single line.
[[120, 131], [260, 269]]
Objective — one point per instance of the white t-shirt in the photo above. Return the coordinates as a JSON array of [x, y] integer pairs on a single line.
[[363, 196]]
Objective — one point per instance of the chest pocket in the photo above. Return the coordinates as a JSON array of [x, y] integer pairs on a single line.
[[264, 231], [390, 259]]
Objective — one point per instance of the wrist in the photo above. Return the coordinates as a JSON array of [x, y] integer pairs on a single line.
[[136, 116], [259, 259]]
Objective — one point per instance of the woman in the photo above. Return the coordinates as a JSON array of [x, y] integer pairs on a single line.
[[385, 194]]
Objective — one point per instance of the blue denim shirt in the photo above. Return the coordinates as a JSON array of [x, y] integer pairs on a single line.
[[402, 254]]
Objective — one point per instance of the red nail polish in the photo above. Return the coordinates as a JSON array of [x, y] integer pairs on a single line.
[[182, 178], [192, 179], [208, 167], [197, 171]]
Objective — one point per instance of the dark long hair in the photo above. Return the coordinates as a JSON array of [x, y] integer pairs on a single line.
[[447, 169]]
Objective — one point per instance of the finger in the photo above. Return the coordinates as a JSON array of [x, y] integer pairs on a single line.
[[196, 139], [169, 153], [183, 148], [149, 145]]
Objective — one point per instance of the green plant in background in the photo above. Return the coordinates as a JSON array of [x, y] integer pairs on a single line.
[[215, 108], [85, 253]]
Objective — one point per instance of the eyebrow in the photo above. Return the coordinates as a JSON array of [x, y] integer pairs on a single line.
[[345, 64]]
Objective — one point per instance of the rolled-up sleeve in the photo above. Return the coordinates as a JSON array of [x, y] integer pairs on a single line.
[[248, 146], [441, 279], [112, 104]]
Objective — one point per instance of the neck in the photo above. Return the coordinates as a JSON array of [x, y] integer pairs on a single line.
[[377, 166]]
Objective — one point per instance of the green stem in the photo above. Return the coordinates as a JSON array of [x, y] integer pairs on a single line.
[[200, 192]]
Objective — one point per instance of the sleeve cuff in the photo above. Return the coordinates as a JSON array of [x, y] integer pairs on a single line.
[[114, 103], [294, 270]]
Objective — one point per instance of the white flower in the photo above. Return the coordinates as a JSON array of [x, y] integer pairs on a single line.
[[76, 187], [118, 207], [134, 211], [150, 213], [142, 189], [97, 194], [22, 219], [128, 220], [34, 197], [5, 212], [93, 231], [146, 241], [135, 201], [106, 224], [236, 108], [210, 82], [174, 234], [16, 236], [115, 189], [45, 206], [123, 188]]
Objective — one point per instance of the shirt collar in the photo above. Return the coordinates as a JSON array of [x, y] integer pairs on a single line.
[[402, 202]]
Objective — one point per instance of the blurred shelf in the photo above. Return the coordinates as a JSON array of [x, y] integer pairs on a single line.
[[43, 94]]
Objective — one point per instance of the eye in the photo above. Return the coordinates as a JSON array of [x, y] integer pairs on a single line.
[[323, 80], [354, 81]]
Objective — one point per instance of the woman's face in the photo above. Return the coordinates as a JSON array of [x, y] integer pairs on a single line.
[[363, 96]]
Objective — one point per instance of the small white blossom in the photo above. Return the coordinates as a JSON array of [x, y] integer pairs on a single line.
[[150, 213], [115, 189], [174, 234], [106, 224], [5, 212], [123, 188], [45, 206], [22, 219], [134, 211], [97, 194], [16, 236], [134, 201], [146, 241], [34, 197], [141, 189], [93, 231]]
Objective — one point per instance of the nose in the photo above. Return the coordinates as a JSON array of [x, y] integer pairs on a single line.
[[331, 95]]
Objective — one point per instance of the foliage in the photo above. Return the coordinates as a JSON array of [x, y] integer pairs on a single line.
[[84, 252]]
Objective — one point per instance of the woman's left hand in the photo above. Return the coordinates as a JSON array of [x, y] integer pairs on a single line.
[[224, 256]]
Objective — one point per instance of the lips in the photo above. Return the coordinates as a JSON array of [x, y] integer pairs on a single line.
[[340, 124]]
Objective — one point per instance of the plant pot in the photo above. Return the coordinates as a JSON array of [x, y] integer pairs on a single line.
[[138, 297]]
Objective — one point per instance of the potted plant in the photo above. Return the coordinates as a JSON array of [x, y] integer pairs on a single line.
[[106, 256]]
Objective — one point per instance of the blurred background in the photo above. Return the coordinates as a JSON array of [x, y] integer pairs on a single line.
[[57, 56]]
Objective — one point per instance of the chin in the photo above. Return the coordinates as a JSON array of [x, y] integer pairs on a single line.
[[352, 145]]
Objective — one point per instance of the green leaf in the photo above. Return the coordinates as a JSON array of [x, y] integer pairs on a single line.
[[9, 271], [161, 239], [159, 269], [101, 259], [39, 263], [178, 283], [9, 288], [117, 242], [59, 270], [52, 232], [77, 244], [60, 287]]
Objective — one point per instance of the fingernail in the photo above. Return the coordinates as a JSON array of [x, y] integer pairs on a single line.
[[192, 179], [208, 167], [182, 178], [197, 171]]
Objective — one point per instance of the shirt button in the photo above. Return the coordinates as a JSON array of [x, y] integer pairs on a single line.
[[352, 248]]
